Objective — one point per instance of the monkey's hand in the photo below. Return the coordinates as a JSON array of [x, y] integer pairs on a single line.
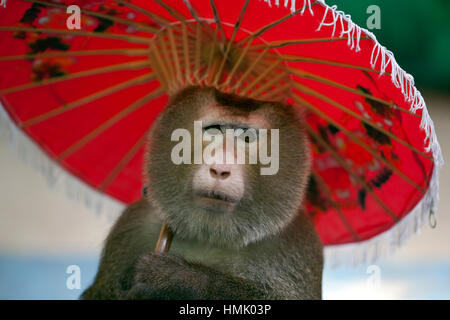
[[166, 276]]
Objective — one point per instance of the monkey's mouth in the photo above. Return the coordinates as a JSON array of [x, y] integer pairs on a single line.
[[213, 200]]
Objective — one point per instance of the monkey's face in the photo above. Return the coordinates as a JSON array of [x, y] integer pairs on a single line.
[[224, 169]]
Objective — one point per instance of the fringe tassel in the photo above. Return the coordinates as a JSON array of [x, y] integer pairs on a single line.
[[384, 244], [3, 3], [56, 176]]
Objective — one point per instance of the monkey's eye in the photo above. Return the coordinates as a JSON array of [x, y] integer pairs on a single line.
[[214, 129], [248, 135]]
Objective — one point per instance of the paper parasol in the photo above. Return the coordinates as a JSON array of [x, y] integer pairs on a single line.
[[79, 102]]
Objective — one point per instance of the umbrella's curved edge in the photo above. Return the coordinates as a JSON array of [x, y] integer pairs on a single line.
[[384, 244], [57, 177]]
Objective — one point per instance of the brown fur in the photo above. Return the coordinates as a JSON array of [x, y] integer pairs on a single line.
[[267, 248]]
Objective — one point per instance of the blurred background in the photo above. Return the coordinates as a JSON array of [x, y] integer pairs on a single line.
[[42, 232]]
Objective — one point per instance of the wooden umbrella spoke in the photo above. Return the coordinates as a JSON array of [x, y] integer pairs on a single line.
[[307, 75], [134, 65], [110, 122], [358, 141], [284, 43], [335, 205], [54, 54], [159, 66], [164, 22], [260, 77], [270, 25], [267, 84], [186, 54], [342, 162], [86, 99], [278, 90], [295, 58], [249, 69], [152, 15], [126, 22], [176, 14], [312, 92], [165, 52], [175, 55], [209, 74], [236, 65], [122, 163], [198, 42], [217, 19], [209, 31], [231, 41], [116, 36]]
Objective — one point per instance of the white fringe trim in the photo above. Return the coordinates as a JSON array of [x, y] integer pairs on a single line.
[[384, 244], [3, 3], [56, 176]]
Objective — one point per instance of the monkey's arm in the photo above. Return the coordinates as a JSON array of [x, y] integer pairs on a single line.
[[133, 234], [130, 270], [166, 276]]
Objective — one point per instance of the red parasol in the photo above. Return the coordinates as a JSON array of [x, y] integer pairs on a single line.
[[86, 97]]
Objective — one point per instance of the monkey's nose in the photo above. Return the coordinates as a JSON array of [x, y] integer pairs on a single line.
[[220, 172]]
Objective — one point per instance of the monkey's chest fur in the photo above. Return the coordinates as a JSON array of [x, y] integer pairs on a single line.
[[289, 263]]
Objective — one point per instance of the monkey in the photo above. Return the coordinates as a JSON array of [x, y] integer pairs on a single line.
[[238, 234]]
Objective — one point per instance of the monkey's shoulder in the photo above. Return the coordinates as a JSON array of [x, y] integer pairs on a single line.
[[138, 225]]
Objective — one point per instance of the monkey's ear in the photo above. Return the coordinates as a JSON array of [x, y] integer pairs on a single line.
[[144, 191]]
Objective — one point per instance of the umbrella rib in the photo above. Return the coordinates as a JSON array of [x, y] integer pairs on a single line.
[[194, 13], [267, 84], [116, 67], [341, 161], [206, 76], [355, 139], [174, 13], [279, 89], [175, 54], [107, 124], [258, 78], [122, 163], [312, 92], [126, 52], [86, 99], [237, 64], [125, 37], [294, 58], [186, 54], [335, 205], [166, 56], [198, 41], [307, 75], [249, 69], [155, 17], [137, 25], [284, 43], [217, 18], [230, 42], [273, 24], [158, 65]]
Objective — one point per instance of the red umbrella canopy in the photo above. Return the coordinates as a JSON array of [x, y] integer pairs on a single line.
[[88, 96]]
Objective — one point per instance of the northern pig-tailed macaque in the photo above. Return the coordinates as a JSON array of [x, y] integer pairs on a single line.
[[239, 233]]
